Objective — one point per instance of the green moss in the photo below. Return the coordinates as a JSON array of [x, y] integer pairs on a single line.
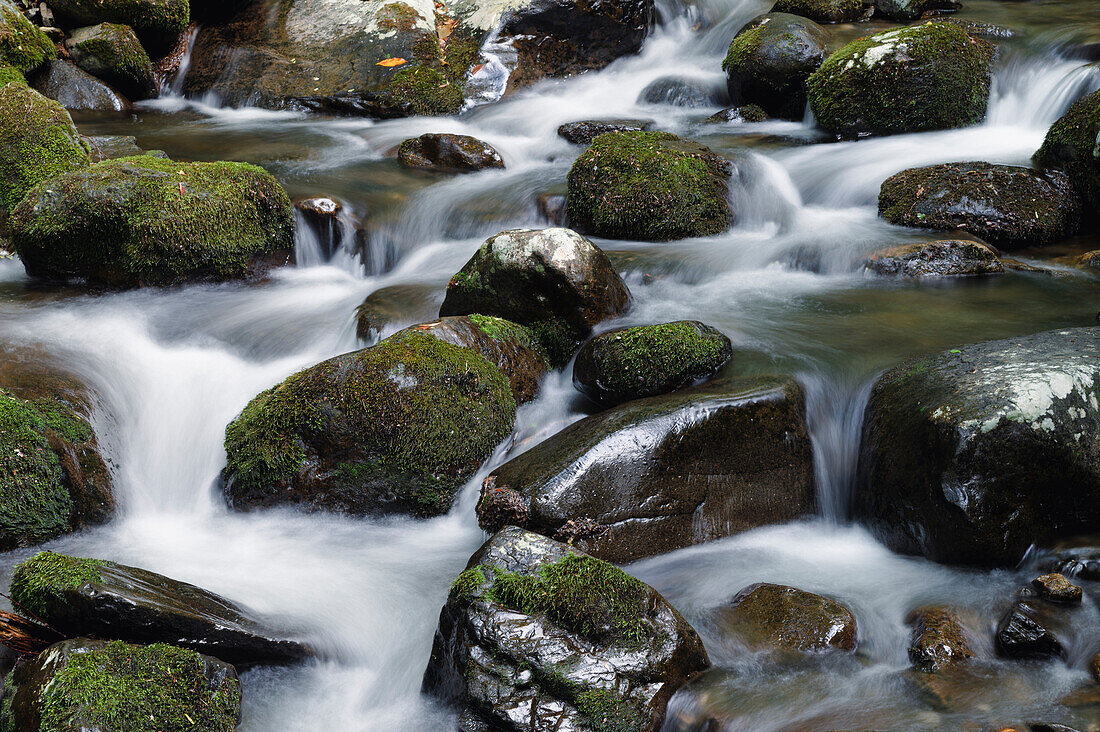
[[155, 688], [1073, 144], [500, 329], [7, 719], [466, 584], [23, 45], [822, 11], [608, 712], [931, 77], [113, 52], [10, 75], [650, 186], [39, 582], [159, 22], [425, 91]]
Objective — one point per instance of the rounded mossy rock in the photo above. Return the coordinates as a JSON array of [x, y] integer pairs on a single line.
[[775, 617], [143, 220], [926, 77], [947, 258], [823, 11], [158, 23], [1072, 144], [38, 140], [631, 363], [111, 686], [395, 428], [113, 53], [769, 60], [649, 186], [10, 74], [1007, 205], [23, 45]]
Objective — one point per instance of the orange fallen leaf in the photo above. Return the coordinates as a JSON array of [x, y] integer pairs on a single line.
[[391, 62]]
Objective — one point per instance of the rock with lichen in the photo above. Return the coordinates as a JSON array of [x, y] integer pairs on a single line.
[[1056, 588], [113, 53], [1072, 144], [537, 635]]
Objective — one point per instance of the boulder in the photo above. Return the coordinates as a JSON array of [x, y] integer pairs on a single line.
[[1021, 635], [631, 363], [23, 45], [682, 91], [645, 477], [649, 186], [38, 140], [745, 113], [1007, 205], [947, 258], [443, 153], [159, 23], [585, 131], [143, 220], [1070, 145], [1055, 587], [553, 281], [769, 60], [75, 89], [512, 348], [111, 686], [766, 616], [974, 454], [938, 641], [536, 635], [975, 28], [914, 79], [824, 11], [395, 304], [395, 428], [113, 53], [103, 599], [907, 10]]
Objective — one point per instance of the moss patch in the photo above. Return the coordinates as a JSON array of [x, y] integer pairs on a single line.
[[1073, 144], [113, 53], [425, 91], [466, 584], [500, 329], [23, 45], [159, 22], [10, 75], [39, 582], [823, 11]]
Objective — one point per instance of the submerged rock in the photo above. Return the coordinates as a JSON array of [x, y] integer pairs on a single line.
[[110, 686], [113, 53], [1021, 635], [649, 186], [395, 428], [585, 131], [926, 77], [140, 221], [645, 477], [769, 61], [767, 616], [1070, 145], [938, 641], [1007, 205], [536, 635], [1056, 588], [824, 11], [553, 281], [448, 154], [948, 258], [682, 91], [23, 45], [974, 454], [395, 304], [75, 89], [745, 113], [631, 363], [98, 598]]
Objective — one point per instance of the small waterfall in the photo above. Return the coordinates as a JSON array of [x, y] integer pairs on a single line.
[[176, 87]]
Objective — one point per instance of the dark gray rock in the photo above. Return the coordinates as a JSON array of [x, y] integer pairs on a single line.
[[1021, 635], [396, 304], [64, 82], [905, 10], [826, 11], [585, 131], [682, 91], [746, 113], [948, 258]]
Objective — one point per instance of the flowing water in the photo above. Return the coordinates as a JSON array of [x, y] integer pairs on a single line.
[[172, 367]]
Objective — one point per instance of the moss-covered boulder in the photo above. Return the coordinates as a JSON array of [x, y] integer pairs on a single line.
[[926, 77], [938, 640], [75, 89], [631, 363], [824, 11], [113, 53], [536, 635], [387, 308], [972, 455], [1006, 205], [646, 477], [110, 686], [395, 428], [775, 617], [554, 281], [649, 186], [158, 23], [38, 140], [23, 45], [144, 220], [769, 60], [1071, 145], [947, 258], [907, 10], [445, 153], [511, 347]]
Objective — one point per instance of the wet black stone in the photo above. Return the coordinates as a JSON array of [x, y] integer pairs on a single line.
[[583, 132], [1022, 637], [679, 91]]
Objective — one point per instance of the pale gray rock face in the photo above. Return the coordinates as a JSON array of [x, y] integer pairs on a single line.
[[64, 82]]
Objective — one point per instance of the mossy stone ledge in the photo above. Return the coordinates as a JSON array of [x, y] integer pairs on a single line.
[[23, 45], [157, 22], [1072, 144], [824, 11], [113, 53]]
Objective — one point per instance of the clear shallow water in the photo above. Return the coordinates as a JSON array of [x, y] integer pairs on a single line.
[[172, 367]]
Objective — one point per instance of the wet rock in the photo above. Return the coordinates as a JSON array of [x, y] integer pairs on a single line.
[[1088, 260], [1021, 636], [975, 28], [23, 45], [948, 258], [938, 641], [536, 635], [906, 10], [681, 91], [649, 186], [941, 73], [553, 281], [38, 140], [768, 616], [1082, 563], [157, 22], [322, 216], [109, 147], [585, 131], [396, 304], [448, 154], [551, 208], [1070, 145], [631, 363], [648, 474], [512, 348], [167, 223], [113, 53], [64, 82], [395, 428], [1094, 667], [746, 113], [825, 11], [106, 600], [972, 455], [1056, 588], [1007, 205], [769, 61], [110, 686]]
